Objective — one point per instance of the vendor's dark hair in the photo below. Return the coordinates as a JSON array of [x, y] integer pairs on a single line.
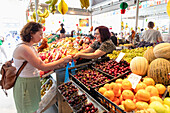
[[30, 27], [104, 33], [150, 24]]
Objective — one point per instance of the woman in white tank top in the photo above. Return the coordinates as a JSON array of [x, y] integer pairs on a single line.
[[27, 87]]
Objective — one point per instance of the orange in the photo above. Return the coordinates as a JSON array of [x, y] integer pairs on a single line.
[[152, 90], [122, 107], [129, 105], [127, 94], [142, 95], [102, 90], [109, 94], [106, 86], [149, 81], [119, 80], [126, 84], [141, 105], [116, 101], [140, 86], [117, 93], [120, 99], [161, 88], [156, 98], [114, 87], [120, 86]]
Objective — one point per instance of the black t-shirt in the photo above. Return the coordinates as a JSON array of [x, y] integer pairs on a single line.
[[62, 30], [114, 40]]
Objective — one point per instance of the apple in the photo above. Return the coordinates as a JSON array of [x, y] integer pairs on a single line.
[[167, 108], [158, 107], [167, 101]]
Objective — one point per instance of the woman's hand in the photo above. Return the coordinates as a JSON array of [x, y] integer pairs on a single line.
[[65, 61], [76, 56], [67, 58]]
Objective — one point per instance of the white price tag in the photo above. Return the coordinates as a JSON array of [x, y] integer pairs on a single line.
[[134, 79], [121, 55]]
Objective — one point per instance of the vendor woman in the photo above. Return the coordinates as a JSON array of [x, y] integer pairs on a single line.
[[102, 46]]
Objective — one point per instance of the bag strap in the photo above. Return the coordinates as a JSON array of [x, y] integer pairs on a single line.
[[20, 69]]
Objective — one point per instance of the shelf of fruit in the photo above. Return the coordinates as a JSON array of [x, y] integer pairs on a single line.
[[89, 77], [147, 96], [129, 53], [62, 48], [47, 84], [79, 100], [113, 68]]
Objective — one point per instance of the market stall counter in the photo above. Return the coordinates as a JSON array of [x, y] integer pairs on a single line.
[[64, 105]]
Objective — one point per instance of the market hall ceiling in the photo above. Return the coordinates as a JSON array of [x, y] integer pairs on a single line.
[[97, 6]]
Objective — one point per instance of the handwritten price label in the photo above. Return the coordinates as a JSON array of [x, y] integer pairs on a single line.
[[119, 58], [134, 79]]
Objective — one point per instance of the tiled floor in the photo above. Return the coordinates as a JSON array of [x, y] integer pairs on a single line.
[[7, 104]]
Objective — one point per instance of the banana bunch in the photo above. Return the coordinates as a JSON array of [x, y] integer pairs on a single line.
[[51, 6], [34, 16], [44, 15], [84, 3], [52, 9], [41, 20], [62, 7]]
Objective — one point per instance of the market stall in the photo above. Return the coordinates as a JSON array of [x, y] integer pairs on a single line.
[[133, 79], [124, 78]]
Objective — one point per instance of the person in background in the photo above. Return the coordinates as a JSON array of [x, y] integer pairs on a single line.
[[62, 31], [72, 33], [114, 38], [100, 47], [127, 36], [151, 35], [131, 37], [26, 90]]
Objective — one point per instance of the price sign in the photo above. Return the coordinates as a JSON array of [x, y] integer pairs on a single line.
[[134, 79], [119, 58]]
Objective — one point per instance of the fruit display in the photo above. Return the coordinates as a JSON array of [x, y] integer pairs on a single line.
[[129, 53], [147, 44], [145, 97], [68, 90], [149, 55], [77, 101], [114, 68], [62, 48], [144, 44], [88, 108], [46, 87], [162, 50], [90, 77], [158, 70], [139, 66]]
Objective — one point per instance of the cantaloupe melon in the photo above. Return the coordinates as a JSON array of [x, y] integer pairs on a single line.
[[139, 66], [162, 50], [158, 70], [149, 55]]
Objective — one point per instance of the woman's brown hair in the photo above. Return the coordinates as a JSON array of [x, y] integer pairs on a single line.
[[30, 27], [104, 33]]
